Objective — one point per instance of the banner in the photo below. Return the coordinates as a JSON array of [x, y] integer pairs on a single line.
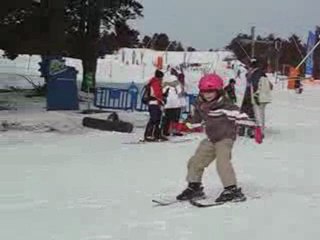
[[309, 61]]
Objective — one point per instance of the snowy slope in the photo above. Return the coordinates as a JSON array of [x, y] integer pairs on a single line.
[[90, 186]]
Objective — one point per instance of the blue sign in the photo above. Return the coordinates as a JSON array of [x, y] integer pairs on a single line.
[[309, 61]]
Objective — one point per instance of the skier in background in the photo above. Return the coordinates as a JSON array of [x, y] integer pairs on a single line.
[[155, 102], [230, 90], [263, 98], [298, 85], [249, 101]]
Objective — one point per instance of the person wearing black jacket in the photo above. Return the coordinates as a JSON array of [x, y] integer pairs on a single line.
[[253, 77], [231, 91]]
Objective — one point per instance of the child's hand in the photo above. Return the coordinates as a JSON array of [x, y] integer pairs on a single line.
[[192, 126], [189, 125]]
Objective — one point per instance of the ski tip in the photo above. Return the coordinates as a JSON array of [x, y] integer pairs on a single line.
[[204, 205], [165, 203]]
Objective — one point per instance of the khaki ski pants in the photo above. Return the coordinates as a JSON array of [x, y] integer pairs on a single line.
[[205, 154]]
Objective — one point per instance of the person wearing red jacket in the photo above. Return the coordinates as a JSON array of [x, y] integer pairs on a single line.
[[155, 102]]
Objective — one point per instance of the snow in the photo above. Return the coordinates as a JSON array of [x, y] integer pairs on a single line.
[[86, 184], [61, 181]]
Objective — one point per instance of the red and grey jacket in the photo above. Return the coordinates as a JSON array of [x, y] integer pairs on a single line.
[[220, 118], [156, 95]]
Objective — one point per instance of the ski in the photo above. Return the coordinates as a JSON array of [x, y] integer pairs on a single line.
[[199, 204], [180, 140], [204, 205], [165, 202], [141, 141], [161, 202]]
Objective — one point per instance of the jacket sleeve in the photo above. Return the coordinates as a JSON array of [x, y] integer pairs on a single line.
[[196, 117], [238, 117], [165, 89], [256, 80], [232, 113], [179, 90]]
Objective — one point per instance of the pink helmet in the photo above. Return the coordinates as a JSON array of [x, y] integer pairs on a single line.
[[210, 82]]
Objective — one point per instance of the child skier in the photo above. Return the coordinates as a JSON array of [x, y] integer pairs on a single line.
[[219, 116]]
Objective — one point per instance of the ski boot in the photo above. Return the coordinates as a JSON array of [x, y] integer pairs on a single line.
[[152, 139], [162, 138], [241, 131], [250, 132], [194, 190], [177, 134], [149, 139], [231, 193]]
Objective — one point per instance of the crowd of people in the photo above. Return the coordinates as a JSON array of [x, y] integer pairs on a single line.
[[166, 103], [215, 108]]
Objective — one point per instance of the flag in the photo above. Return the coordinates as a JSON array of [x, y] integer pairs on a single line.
[[309, 61]]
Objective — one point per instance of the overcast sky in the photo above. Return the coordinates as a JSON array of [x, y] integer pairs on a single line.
[[208, 24]]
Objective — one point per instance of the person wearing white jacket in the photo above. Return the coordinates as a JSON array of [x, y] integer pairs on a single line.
[[174, 103], [264, 97]]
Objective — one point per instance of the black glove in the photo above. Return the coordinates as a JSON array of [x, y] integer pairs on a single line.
[[164, 101], [165, 94]]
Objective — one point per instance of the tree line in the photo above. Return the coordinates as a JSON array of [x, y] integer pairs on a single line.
[[89, 29], [276, 53]]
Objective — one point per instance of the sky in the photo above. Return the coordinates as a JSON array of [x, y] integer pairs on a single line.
[[206, 24]]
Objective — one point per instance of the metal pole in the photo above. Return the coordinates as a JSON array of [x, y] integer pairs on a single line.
[[309, 53], [88, 99], [252, 41], [29, 62], [166, 52], [277, 63]]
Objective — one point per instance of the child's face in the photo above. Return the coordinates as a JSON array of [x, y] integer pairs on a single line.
[[209, 96]]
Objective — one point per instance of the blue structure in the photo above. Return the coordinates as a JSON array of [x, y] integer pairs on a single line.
[[112, 98], [191, 99], [133, 91], [62, 90], [127, 99]]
